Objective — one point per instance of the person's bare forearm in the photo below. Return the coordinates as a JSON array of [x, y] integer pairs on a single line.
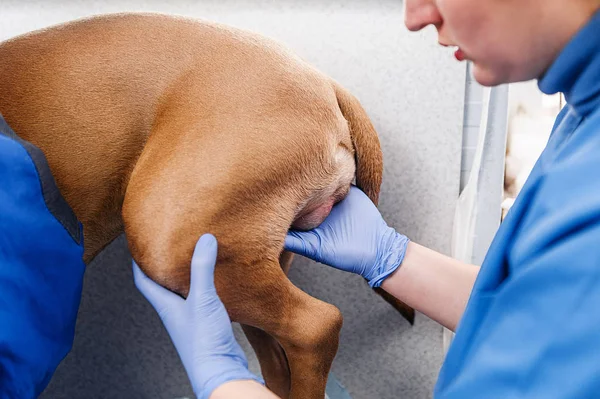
[[433, 284], [247, 389]]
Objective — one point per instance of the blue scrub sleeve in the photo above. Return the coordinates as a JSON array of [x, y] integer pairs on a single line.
[[41, 270], [540, 337]]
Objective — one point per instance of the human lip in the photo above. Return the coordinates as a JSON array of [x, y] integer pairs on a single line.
[[459, 55]]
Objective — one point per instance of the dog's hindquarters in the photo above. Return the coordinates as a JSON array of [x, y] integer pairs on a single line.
[[249, 279], [242, 178]]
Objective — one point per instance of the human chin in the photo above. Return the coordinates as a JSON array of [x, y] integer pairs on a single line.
[[488, 76]]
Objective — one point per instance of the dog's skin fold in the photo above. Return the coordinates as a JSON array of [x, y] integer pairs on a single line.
[[167, 128]]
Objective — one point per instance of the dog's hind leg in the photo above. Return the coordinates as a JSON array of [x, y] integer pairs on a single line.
[[301, 357], [271, 356], [311, 345], [306, 328], [259, 294]]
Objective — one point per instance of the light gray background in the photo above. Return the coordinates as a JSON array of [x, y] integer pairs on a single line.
[[412, 89]]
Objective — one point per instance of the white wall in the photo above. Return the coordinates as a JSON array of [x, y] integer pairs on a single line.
[[414, 92]]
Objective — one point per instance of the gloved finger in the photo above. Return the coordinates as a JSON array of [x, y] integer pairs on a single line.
[[300, 243], [159, 297], [293, 242], [204, 259]]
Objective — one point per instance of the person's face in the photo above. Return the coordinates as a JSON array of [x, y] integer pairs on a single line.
[[507, 40]]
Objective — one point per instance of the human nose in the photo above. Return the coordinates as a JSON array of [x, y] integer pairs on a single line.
[[421, 13]]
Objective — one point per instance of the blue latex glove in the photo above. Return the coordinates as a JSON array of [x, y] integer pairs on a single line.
[[354, 238], [199, 325]]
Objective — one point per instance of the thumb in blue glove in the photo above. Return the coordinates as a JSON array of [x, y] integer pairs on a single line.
[[199, 325], [354, 238]]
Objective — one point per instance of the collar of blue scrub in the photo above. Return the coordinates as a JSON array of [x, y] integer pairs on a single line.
[[576, 71]]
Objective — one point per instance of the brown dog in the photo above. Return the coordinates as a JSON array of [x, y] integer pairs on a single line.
[[168, 128]]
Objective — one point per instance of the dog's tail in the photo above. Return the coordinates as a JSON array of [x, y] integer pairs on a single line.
[[369, 167], [369, 160]]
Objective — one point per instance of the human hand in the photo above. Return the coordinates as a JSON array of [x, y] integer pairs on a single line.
[[354, 238], [199, 325]]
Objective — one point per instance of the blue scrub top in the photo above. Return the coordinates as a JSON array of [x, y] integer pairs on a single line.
[[41, 269], [531, 328]]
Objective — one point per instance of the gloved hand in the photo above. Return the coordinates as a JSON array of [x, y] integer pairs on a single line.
[[199, 325], [354, 238]]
